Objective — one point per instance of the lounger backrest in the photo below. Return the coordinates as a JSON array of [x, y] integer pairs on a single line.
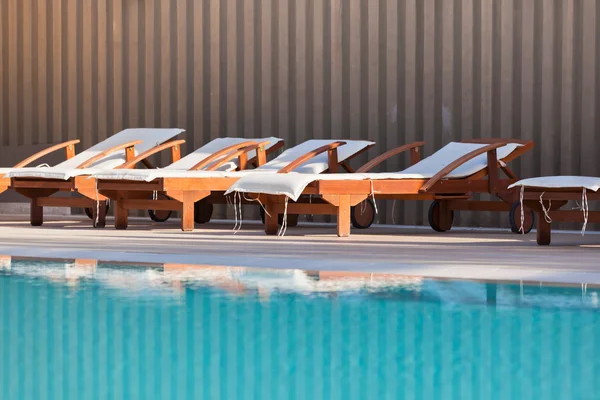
[[431, 165], [317, 164], [215, 145], [150, 137]]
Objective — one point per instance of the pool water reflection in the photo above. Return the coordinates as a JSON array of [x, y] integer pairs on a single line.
[[81, 329]]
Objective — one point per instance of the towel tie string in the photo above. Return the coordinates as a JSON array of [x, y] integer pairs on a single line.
[[283, 228], [257, 199], [585, 208], [372, 194], [237, 210], [522, 229], [546, 210], [97, 204]]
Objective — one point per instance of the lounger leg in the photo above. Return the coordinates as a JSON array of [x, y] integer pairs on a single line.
[[544, 230], [121, 216], [36, 213], [271, 224], [343, 217], [187, 217], [445, 219], [99, 214]]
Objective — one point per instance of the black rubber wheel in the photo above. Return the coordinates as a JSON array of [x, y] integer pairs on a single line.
[[514, 218], [292, 219], [362, 215], [90, 213], [160, 215], [434, 218], [202, 211]]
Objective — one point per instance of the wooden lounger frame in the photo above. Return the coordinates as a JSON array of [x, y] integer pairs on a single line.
[[183, 193], [553, 199], [40, 190], [452, 194], [68, 146]]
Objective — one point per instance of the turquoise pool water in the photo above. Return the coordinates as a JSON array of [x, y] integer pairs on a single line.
[[71, 330]]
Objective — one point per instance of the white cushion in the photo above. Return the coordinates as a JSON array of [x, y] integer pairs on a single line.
[[317, 164], [560, 182], [293, 184], [212, 147]]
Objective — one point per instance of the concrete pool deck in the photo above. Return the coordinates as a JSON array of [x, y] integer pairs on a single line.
[[464, 253]]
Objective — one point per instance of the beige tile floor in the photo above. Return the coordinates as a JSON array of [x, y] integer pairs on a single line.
[[468, 254]]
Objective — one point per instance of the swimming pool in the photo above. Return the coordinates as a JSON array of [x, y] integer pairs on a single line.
[[78, 330]]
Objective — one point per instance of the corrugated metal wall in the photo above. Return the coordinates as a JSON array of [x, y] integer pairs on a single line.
[[378, 69]]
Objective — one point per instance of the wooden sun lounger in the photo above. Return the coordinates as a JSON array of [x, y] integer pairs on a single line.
[[553, 199], [40, 190], [68, 146], [194, 196], [338, 197]]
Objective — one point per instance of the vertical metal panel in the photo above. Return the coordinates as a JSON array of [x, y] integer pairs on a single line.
[[382, 70]]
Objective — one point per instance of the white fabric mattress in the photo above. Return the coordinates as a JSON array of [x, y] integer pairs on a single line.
[[293, 184], [560, 182]]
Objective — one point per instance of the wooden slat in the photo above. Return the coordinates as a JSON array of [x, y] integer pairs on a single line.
[[198, 90], [248, 50], [28, 60], [130, 186], [103, 111], [12, 84], [132, 45], [42, 130], [42, 184], [354, 93], [215, 69], [183, 35], [117, 89], [71, 70], [87, 102]]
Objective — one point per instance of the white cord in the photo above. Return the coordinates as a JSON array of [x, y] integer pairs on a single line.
[[283, 228], [235, 213], [522, 229], [237, 210], [373, 195], [97, 204], [586, 209], [257, 200], [546, 211]]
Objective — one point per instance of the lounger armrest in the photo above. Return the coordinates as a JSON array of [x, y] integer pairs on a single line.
[[491, 148], [221, 153], [174, 145], [129, 153], [242, 154], [331, 148], [414, 156], [69, 147], [261, 159]]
